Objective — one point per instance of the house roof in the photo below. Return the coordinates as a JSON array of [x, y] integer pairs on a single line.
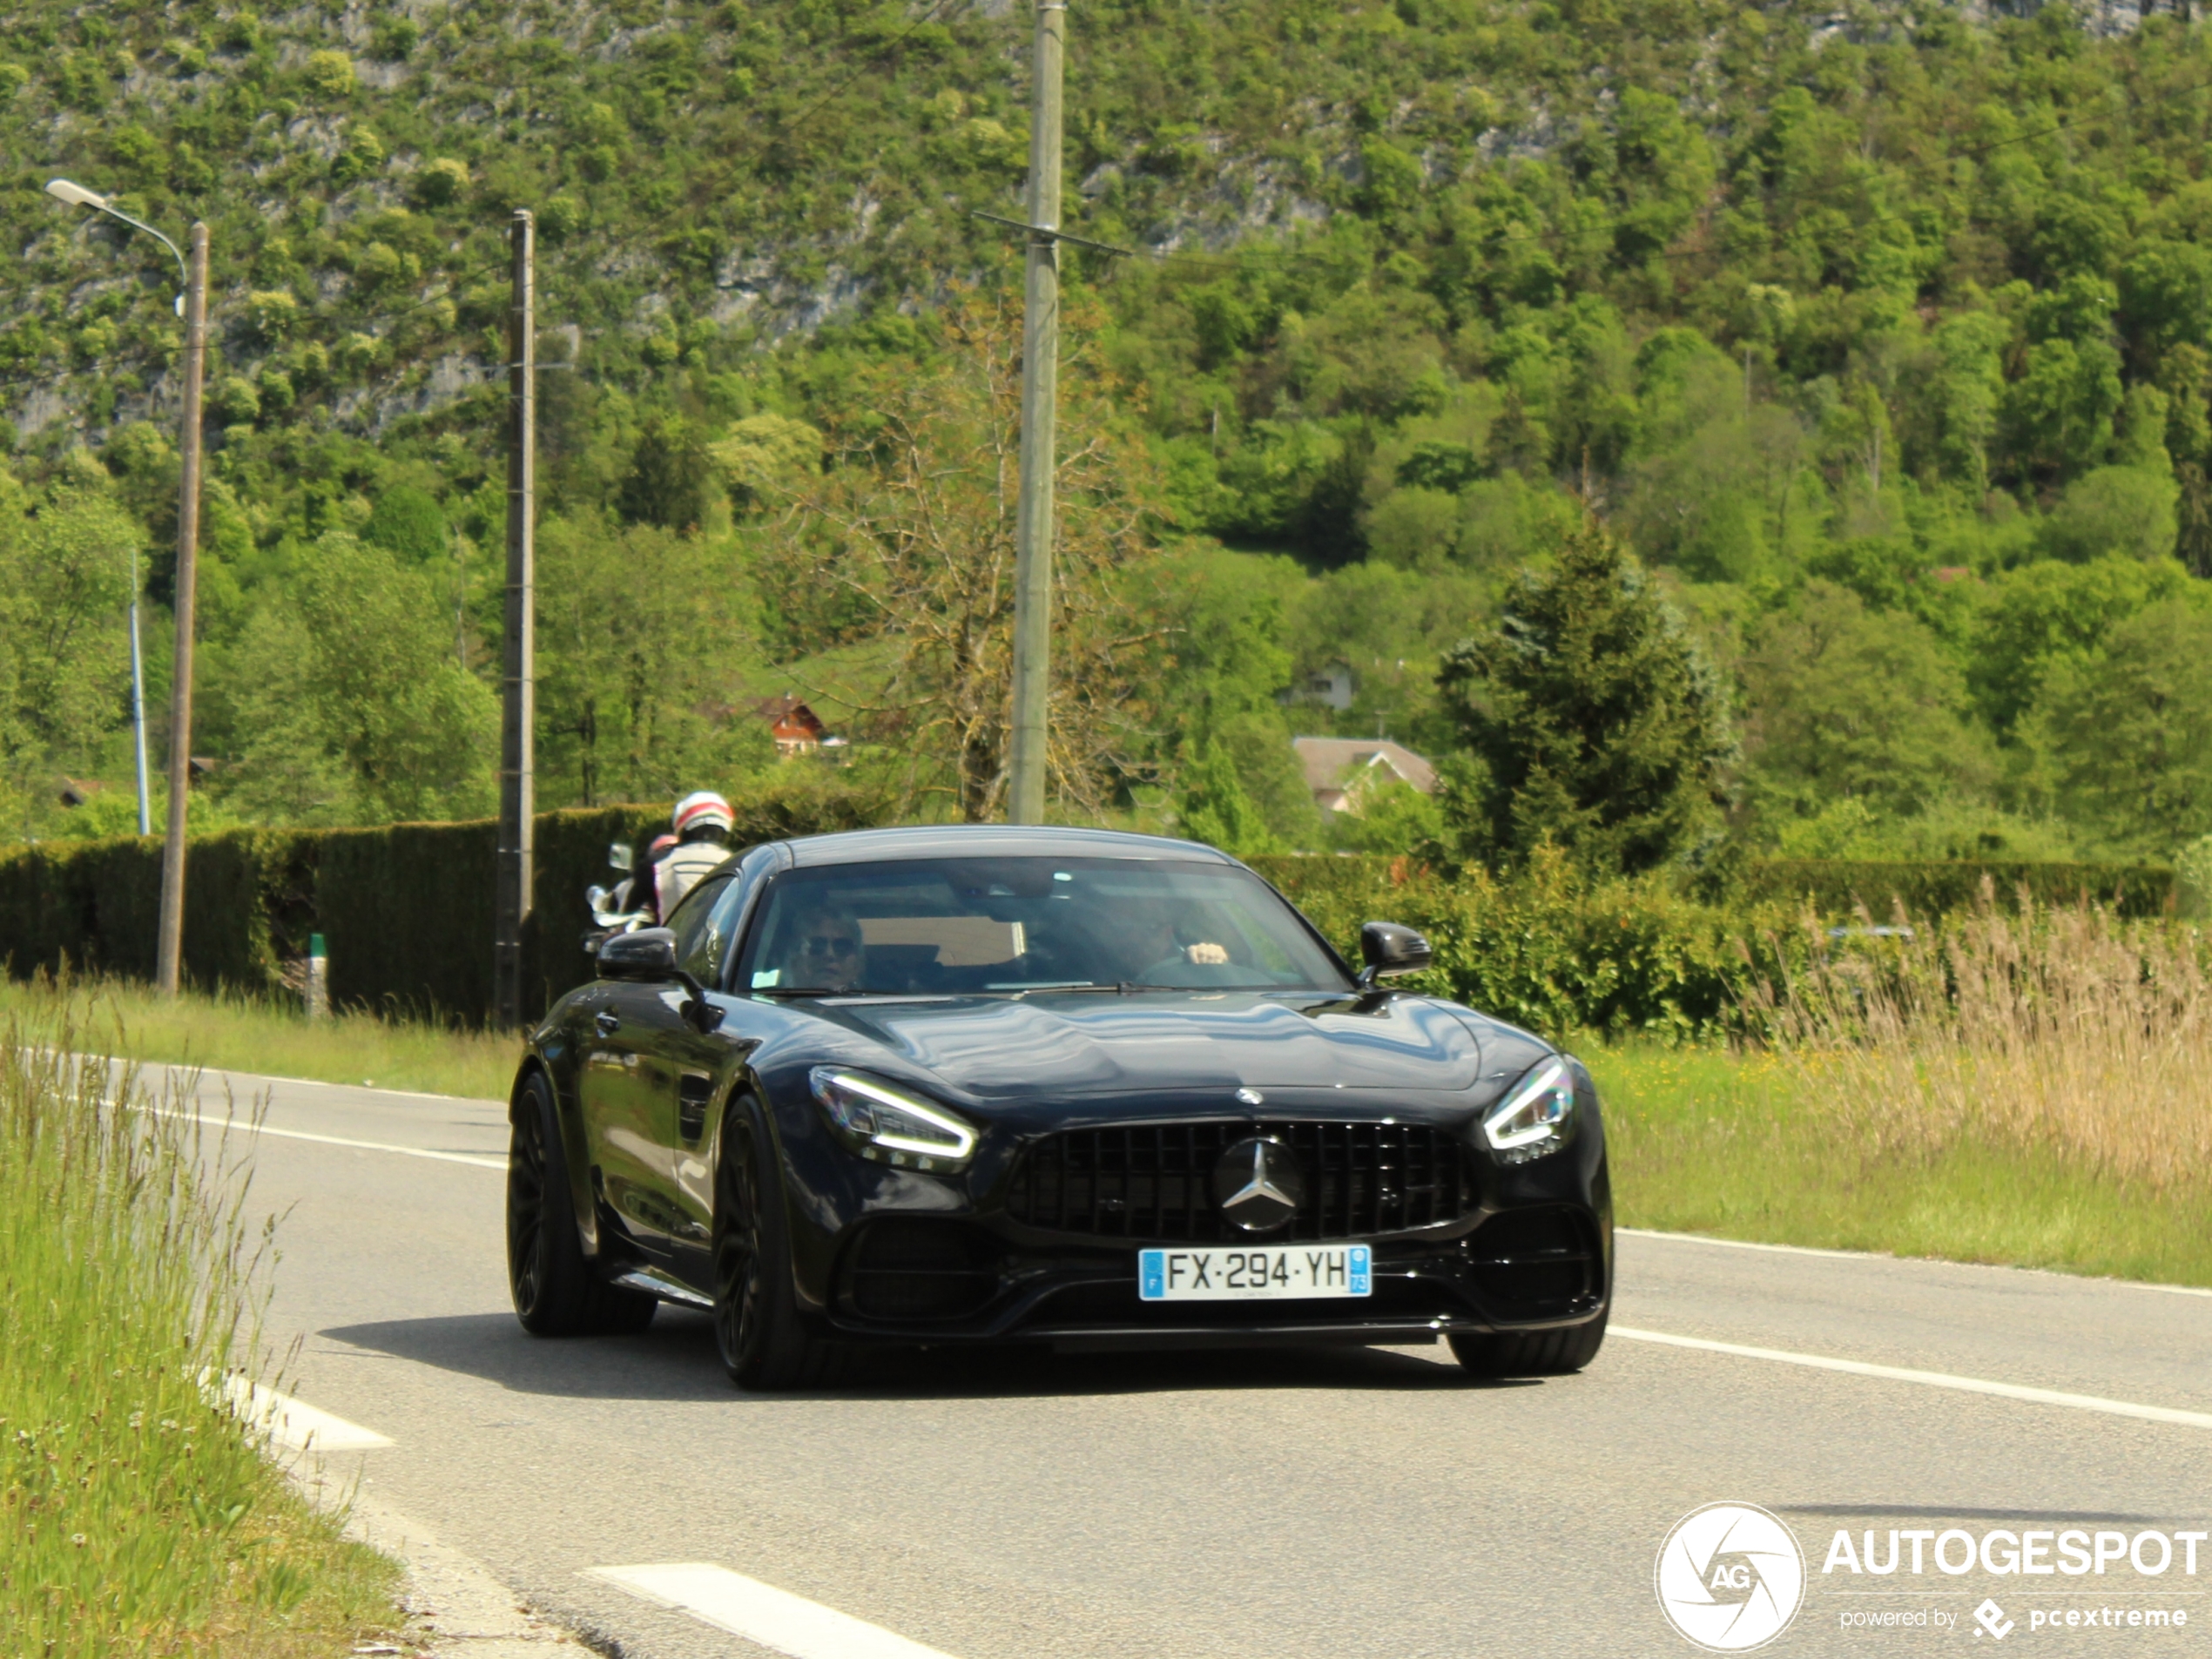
[[1332, 763], [787, 713]]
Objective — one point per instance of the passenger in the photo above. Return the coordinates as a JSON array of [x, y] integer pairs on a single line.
[[702, 823]]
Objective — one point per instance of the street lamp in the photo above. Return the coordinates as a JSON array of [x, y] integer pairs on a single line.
[[75, 195], [192, 305]]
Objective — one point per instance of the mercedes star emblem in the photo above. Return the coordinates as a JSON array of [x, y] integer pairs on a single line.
[[1258, 1184]]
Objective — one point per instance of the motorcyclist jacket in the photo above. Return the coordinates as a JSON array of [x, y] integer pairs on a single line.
[[680, 868]]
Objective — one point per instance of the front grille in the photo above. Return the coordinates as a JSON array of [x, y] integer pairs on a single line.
[[1533, 1262], [1155, 1181], [906, 1269]]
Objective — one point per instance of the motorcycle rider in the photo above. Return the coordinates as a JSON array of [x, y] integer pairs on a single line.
[[702, 822], [635, 892]]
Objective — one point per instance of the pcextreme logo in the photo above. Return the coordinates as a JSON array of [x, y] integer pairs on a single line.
[[1730, 1577]]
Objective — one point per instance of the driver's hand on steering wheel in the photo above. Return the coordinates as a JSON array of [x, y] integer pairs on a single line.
[[1205, 953]]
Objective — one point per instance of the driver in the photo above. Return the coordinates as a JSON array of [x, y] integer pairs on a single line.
[[1157, 942], [832, 955]]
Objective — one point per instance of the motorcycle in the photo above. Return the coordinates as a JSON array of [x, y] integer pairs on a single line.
[[611, 912]]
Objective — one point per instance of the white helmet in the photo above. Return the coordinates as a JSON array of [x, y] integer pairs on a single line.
[[704, 810]]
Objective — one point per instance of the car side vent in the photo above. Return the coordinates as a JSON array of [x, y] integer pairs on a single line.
[[1531, 1261], [909, 1271]]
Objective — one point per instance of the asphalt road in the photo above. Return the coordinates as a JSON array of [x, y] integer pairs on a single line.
[[1246, 1506]]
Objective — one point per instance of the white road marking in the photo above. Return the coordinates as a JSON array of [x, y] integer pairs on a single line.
[[1910, 1261], [245, 1128], [294, 1423], [180, 1068], [761, 1613], [1929, 1379]]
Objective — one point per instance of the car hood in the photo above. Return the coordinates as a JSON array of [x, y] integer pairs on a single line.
[[999, 1048]]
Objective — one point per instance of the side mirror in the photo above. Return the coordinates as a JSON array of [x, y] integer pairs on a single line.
[[1388, 948], [649, 953], [619, 856]]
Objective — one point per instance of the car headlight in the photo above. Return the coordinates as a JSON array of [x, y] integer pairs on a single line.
[[889, 1124], [1536, 1117]]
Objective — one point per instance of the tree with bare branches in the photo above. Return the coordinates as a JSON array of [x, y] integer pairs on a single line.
[[901, 546]]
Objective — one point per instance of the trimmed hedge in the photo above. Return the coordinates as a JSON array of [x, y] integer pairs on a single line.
[[407, 909], [1550, 951], [1937, 887], [1561, 954]]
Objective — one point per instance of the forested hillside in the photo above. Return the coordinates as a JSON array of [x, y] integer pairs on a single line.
[[1881, 335]]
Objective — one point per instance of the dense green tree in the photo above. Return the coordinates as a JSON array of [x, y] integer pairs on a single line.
[[1212, 806], [409, 523], [669, 478], [1850, 703], [2031, 622], [1598, 723], [2125, 739], [66, 559], [355, 711]]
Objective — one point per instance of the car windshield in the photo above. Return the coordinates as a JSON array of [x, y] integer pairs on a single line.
[[1011, 925]]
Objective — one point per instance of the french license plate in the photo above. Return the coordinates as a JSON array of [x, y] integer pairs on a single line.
[[1275, 1273]]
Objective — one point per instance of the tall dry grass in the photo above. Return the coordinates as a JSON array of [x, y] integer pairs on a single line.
[[2059, 1032], [136, 1512]]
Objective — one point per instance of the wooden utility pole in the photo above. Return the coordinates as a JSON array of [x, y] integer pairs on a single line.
[[519, 685], [1040, 410], [169, 934]]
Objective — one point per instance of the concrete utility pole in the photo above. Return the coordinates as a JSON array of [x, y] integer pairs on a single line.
[[1040, 410], [138, 698], [518, 701], [170, 945]]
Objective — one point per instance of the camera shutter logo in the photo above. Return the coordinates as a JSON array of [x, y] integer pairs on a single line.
[[1730, 1577]]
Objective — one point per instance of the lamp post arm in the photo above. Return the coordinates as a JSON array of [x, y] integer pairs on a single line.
[[184, 279]]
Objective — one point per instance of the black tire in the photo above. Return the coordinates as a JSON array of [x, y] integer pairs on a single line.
[[1532, 1353], [556, 1292], [757, 1328]]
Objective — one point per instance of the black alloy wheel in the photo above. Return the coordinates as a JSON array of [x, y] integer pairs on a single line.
[[1532, 1353], [556, 1292], [757, 1326]]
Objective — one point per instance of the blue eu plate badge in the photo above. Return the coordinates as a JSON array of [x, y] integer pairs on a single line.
[[1277, 1273]]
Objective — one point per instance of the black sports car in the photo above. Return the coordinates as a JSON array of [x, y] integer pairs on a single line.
[[984, 1084]]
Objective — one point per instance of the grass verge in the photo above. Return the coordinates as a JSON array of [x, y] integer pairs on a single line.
[[1735, 1144], [228, 1032], [138, 1515]]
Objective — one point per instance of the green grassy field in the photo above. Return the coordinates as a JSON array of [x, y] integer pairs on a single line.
[[232, 1033], [1708, 1142], [139, 1517]]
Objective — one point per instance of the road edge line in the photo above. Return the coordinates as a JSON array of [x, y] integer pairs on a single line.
[[1912, 1261], [773, 1618], [1927, 1378]]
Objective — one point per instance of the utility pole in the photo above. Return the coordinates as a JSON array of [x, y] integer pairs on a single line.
[[518, 686], [138, 698], [1040, 410], [170, 939]]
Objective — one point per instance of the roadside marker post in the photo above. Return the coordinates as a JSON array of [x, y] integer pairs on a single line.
[[318, 978]]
